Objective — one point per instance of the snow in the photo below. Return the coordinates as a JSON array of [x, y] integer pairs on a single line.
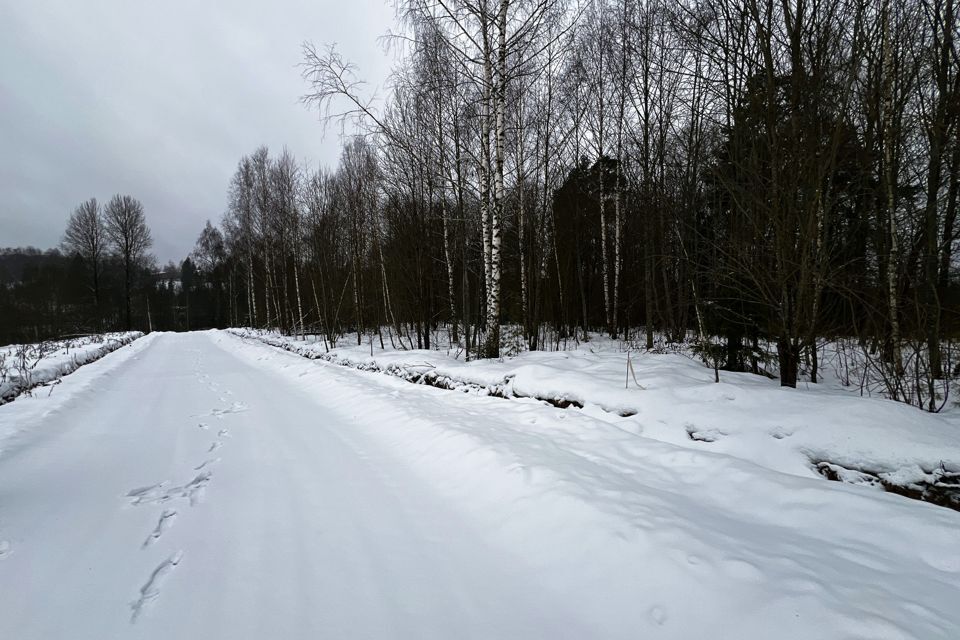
[[746, 416], [26, 366], [203, 486]]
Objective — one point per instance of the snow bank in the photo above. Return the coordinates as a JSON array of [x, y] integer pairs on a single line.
[[813, 431], [24, 367]]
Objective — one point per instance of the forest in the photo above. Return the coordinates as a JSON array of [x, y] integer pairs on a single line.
[[755, 177], [101, 278]]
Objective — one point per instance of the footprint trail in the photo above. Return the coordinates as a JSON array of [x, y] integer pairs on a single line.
[[164, 523], [151, 589]]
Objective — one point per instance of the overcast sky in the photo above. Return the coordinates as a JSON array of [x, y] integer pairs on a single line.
[[159, 100]]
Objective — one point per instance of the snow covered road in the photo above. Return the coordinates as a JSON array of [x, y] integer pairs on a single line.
[[197, 486]]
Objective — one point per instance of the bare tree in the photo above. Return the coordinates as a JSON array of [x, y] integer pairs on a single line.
[[765, 173], [85, 236], [126, 227]]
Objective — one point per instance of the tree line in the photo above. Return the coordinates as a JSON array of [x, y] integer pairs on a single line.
[[101, 279], [748, 172]]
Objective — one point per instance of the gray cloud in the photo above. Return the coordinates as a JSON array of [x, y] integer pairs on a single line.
[[158, 100]]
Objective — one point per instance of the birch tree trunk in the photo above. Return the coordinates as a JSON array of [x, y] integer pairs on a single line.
[[492, 347], [889, 179], [485, 171], [445, 222]]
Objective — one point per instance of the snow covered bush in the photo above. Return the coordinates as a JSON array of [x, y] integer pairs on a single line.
[[24, 367]]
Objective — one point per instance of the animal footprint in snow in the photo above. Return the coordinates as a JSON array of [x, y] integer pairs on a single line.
[[236, 407], [4, 549], [151, 493], [157, 494], [166, 519], [703, 435], [206, 463], [151, 589], [203, 425], [780, 433], [657, 614], [213, 447], [193, 491], [223, 433]]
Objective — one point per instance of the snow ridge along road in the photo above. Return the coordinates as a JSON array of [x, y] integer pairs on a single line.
[[197, 486]]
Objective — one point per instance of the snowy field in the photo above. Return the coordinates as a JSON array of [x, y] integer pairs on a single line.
[[207, 486], [26, 366]]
